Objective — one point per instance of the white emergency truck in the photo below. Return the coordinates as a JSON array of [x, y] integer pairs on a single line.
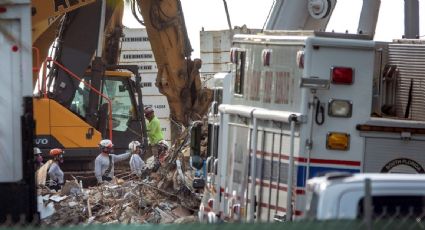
[[304, 103], [378, 195], [17, 178]]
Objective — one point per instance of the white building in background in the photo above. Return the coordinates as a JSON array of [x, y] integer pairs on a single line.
[[136, 50], [215, 51]]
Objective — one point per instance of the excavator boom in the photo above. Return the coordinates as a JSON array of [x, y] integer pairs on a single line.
[[178, 75], [45, 13]]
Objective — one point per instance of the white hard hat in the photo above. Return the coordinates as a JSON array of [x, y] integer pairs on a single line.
[[164, 143], [106, 143], [132, 146], [148, 110], [37, 151]]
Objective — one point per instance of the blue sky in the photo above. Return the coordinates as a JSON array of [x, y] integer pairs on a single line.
[[210, 15]]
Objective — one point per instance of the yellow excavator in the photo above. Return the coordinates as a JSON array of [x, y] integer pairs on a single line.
[[83, 96]]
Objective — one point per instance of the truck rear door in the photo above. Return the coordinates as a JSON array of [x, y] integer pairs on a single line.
[[15, 67]]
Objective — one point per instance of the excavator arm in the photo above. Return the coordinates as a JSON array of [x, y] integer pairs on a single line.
[[45, 13], [178, 75]]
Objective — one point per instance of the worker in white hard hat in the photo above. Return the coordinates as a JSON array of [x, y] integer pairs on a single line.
[[137, 165], [38, 159], [104, 163]]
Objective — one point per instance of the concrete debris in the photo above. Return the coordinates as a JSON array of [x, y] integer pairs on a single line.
[[45, 210], [57, 198], [71, 187], [160, 195]]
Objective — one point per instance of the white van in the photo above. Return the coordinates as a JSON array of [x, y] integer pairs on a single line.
[[341, 196]]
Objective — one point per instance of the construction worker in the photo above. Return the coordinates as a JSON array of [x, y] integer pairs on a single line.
[[104, 163], [137, 165], [55, 173], [38, 159], [155, 134]]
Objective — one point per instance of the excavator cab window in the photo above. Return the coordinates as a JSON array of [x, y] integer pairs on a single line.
[[81, 100], [117, 92]]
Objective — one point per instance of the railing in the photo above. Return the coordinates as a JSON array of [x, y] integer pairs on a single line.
[[256, 114], [44, 91]]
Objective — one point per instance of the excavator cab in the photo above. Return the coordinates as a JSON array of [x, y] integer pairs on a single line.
[[78, 128], [119, 88]]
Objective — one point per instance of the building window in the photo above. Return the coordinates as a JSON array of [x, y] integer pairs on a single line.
[[159, 106], [137, 56], [146, 84], [135, 39], [145, 67]]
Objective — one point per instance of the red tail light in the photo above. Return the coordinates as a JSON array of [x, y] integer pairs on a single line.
[[342, 75], [3, 9]]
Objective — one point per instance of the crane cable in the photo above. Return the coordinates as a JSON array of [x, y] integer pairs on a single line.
[[268, 16]]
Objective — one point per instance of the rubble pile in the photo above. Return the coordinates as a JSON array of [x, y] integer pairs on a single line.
[[161, 195]]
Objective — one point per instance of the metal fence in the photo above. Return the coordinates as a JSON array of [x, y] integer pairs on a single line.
[[388, 223]]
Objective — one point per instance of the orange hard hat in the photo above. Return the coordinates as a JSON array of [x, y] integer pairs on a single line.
[[56, 152]]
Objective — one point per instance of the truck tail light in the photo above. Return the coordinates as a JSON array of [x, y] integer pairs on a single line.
[[340, 108], [342, 75], [3, 9], [338, 141]]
